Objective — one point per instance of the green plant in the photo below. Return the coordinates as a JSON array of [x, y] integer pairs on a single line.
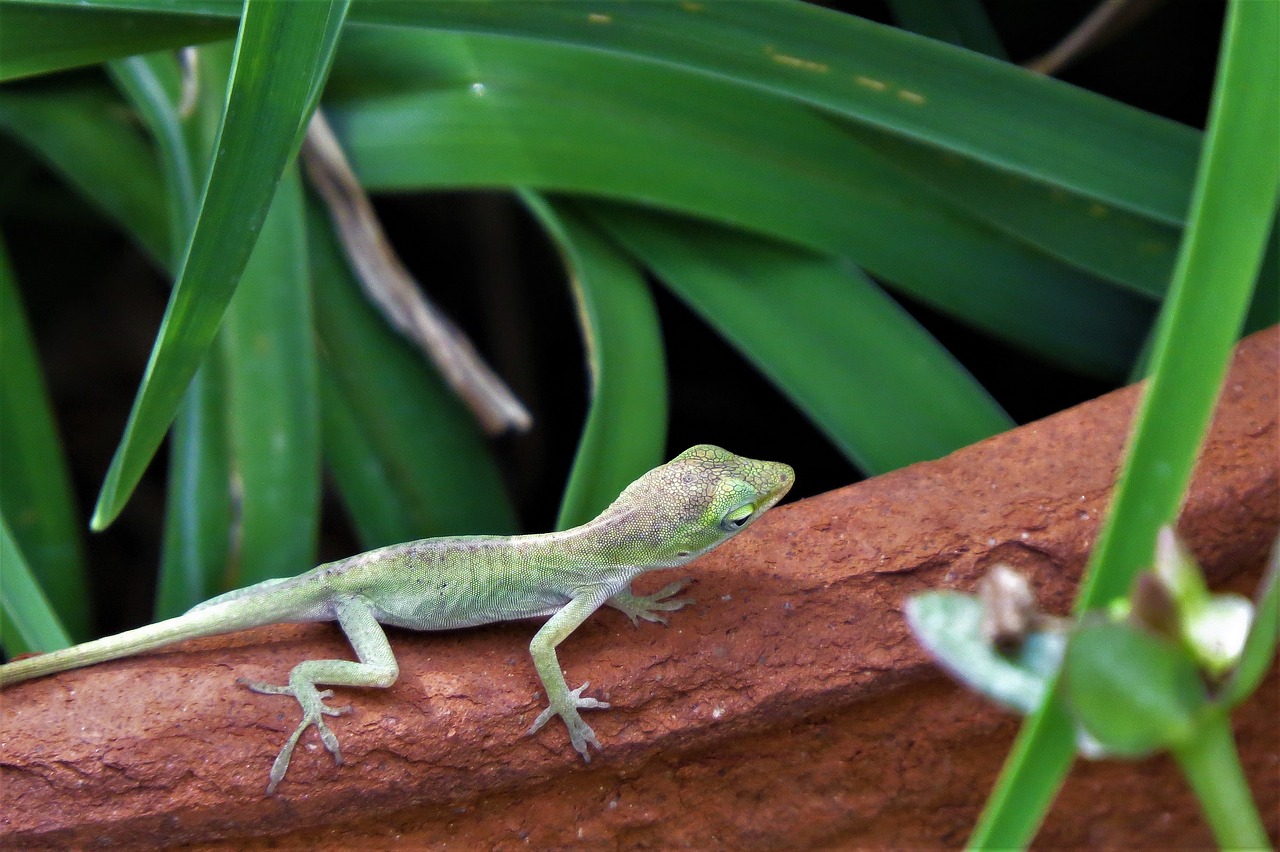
[[1157, 670]]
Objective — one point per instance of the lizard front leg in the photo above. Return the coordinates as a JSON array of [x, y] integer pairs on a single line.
[[561, 700], [377, 667]]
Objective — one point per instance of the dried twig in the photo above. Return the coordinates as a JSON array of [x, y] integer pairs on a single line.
[[397, 295], [1108, 20]]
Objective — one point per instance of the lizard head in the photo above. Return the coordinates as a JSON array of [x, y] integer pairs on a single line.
[[699, 499]]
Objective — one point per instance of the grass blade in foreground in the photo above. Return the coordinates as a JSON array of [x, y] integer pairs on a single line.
[[626, 427], [1235, 198], [282, 58]]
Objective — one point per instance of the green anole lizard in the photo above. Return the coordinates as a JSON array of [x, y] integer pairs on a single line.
[[669, 516]]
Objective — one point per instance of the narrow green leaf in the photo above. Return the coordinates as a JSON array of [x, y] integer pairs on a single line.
[[1133, 692], [1236, 194], [1108, 241], [35, 487], [427, 447], [883, 390], [198, 524], [27, 621], [626, 428], [282, 56], [36, 38], [272, 399], [922, 89], [1030, 777], [153, 85]]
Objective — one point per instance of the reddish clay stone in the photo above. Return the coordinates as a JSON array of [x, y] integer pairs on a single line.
[[788, 708]]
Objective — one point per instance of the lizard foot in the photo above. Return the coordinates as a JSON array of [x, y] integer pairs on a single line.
[[580, 733], [648, 607], [313, 712]]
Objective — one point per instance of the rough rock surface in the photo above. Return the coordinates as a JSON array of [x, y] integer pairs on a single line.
[[788, 708]]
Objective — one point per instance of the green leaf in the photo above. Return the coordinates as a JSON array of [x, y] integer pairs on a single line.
[[986, 278], [365, 481], [27, 621], [1130, 249], [626, 426], [1132, 691], [949, 626], [272, 399], [39, 37], [855, 362], [1211, 765], [153, 85], [35, 487], [1236, 194], [414, 436], [282, 57], [1260, 645]]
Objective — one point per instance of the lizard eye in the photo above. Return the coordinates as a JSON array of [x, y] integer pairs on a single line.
[[737, 517]]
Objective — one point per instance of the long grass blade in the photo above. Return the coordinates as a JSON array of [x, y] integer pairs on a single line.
[[282, 56]]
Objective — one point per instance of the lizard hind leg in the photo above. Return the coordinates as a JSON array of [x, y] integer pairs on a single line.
[[377, 668]]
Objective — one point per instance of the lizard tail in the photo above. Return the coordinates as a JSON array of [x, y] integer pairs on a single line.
[[206, 620]]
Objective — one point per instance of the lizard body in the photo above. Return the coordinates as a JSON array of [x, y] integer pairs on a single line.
[[671, 515]]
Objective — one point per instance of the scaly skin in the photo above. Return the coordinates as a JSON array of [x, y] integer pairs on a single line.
[[669, 516]]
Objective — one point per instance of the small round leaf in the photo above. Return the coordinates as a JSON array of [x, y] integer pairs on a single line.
[[1133, 692]]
